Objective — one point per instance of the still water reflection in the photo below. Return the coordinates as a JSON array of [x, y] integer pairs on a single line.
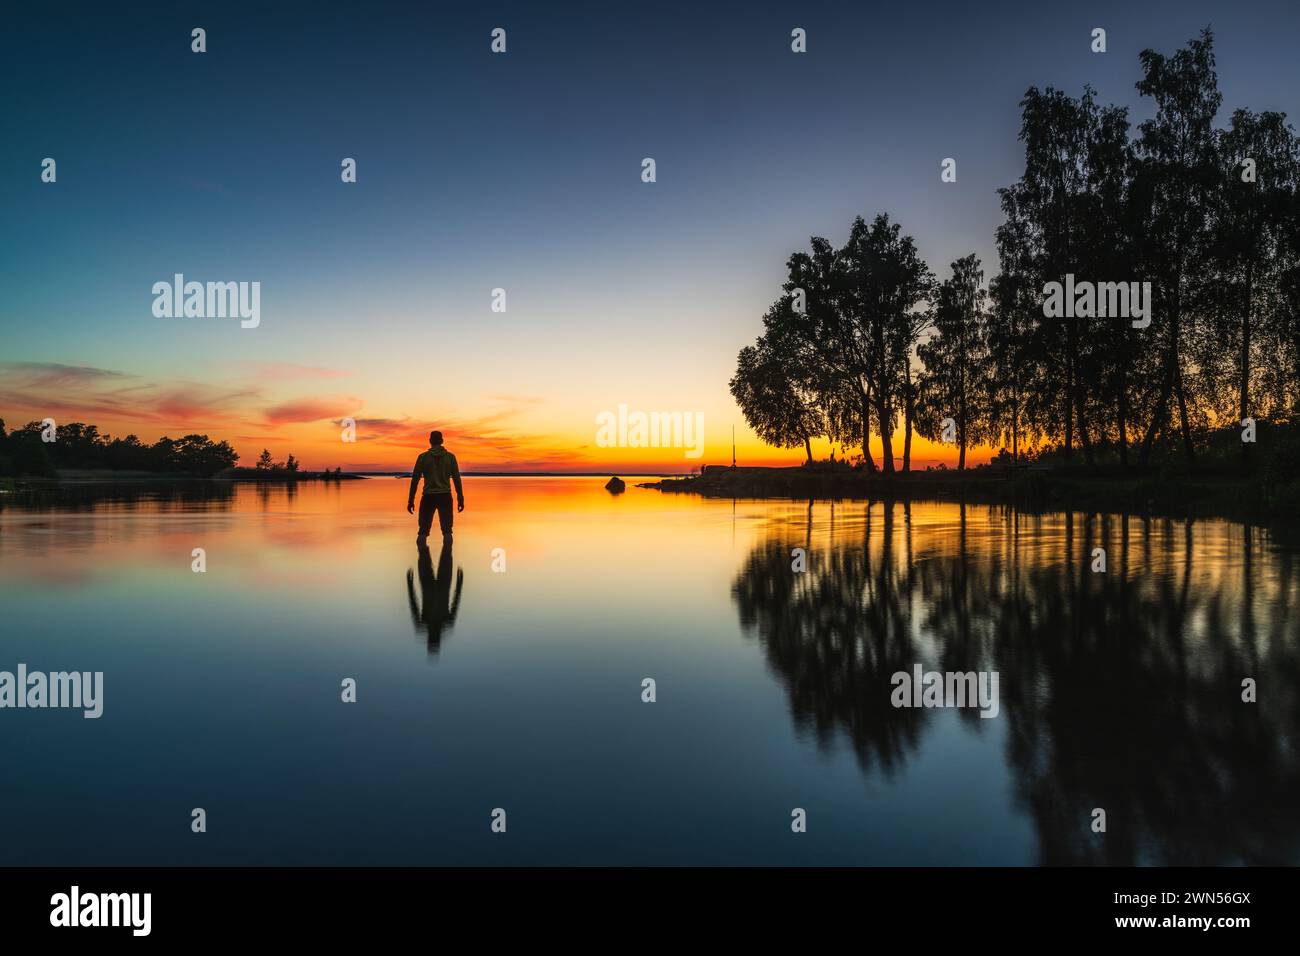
[[1119, 690], [434, 611]]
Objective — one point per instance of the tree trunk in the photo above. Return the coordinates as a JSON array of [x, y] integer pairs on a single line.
[[1069, 389], [1184, 424], [1084, 438], [1160, 413], [1069, 422], [961, 435], [1122, 409], [866, 434], [807, 445], [909, 409], [1244, 398], [884, 413], [1076, 394], [1123, 416]]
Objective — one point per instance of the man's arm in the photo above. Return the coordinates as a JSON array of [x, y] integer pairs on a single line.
[[416, 616], [455, 602], [415, 483], [460, 489]]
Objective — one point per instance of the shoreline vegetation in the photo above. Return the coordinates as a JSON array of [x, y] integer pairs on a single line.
[[1043, 486], [1170, 380]]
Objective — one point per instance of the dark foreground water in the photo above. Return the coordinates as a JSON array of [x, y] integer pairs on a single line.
[[479, 689]]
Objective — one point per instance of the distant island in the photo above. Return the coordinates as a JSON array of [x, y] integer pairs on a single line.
[[77, 451]]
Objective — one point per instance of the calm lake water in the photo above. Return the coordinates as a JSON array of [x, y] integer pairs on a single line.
[[522, 690]]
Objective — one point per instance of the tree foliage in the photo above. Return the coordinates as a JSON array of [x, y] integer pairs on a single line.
[[862, 337]]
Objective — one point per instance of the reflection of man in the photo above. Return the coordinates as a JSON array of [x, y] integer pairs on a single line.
[[439, 469], [436, 609]]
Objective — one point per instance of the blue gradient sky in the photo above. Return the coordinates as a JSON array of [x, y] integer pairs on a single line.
[[520, 171]]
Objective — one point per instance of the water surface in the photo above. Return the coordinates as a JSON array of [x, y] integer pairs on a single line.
[[523, 690]]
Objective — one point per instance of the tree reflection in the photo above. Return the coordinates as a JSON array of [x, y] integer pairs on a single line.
[[1122, 690]]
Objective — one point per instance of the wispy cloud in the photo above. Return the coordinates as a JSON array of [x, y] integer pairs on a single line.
[[287, 371], [105, 396], [308, 410], [379, 429], [53, 375]]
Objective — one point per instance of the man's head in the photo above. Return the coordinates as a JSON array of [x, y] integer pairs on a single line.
[[435, 437]]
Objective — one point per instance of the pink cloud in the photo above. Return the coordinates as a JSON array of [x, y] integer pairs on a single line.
[[308, 410]]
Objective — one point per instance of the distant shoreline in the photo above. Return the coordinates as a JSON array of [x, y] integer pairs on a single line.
[[69, 476], [1233, 497], [560, 474]]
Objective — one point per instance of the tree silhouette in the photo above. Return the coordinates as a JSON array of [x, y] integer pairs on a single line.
[[1178, 167], [1171, 205], [956, 357], [778, 399]]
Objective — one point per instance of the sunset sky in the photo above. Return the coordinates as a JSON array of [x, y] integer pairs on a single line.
[[519, 171]]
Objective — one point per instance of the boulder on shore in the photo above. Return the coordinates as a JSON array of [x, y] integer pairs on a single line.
[[615, 485]]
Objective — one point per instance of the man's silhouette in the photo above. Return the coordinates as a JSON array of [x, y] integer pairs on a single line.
[[435, 611], [438, 468]]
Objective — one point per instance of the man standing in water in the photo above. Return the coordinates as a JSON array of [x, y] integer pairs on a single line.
[[438, 468]]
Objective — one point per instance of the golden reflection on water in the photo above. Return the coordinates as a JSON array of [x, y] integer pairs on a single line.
[[1120, 688]]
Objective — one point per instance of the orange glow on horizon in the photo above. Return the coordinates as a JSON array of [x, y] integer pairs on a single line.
[[501, 433]]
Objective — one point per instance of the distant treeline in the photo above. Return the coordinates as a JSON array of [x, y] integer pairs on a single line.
[[1209, 217], [81, 446]]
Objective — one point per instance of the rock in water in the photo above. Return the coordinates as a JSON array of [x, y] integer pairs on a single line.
[[615, 485]]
